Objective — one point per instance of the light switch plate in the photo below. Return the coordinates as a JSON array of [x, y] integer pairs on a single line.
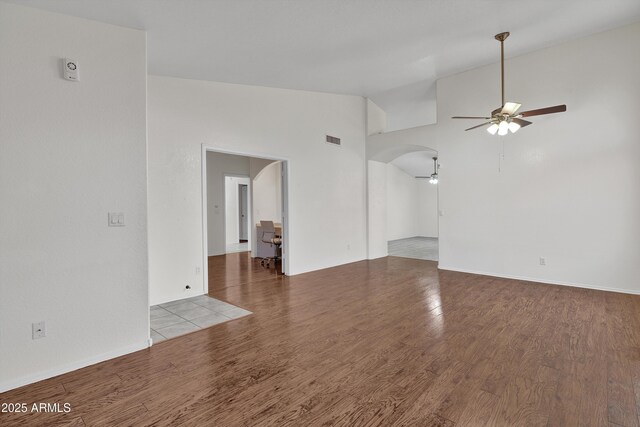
[[116, 219]]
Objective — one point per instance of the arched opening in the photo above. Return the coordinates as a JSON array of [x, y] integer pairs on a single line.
[[403, 203]]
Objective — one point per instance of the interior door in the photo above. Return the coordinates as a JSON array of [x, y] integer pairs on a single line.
[[243, 201], [284, 196]]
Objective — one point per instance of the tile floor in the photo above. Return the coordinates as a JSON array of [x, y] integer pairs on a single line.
[[415, 247], [177, 318], [237, 247]]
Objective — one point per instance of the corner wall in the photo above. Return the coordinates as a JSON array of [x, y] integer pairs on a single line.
[[411, 205], [69, 153]]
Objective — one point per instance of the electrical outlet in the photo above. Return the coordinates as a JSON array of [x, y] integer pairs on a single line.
[[197, 270], [38, 330], [543, 261]]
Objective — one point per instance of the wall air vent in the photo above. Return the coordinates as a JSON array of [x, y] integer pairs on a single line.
[[333, 140]]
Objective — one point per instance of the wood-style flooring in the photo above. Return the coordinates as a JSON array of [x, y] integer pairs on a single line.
[[387, 342]]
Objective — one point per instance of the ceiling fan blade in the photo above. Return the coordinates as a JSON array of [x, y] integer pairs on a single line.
[[470, 117], [510, 108], [541, 111], [483, 124], [521, 122]]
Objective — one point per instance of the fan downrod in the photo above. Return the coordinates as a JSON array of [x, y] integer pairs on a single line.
[[501, 37]]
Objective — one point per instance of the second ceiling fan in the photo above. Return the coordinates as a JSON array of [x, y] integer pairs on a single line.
[[506, 118]]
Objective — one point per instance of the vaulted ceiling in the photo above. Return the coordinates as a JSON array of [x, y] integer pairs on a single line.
[[389, 50]]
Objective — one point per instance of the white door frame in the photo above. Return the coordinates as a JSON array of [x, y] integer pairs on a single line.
[[286, 173], [224, 212]]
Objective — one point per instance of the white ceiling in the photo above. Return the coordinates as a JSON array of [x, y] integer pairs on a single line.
[[389, 50], [418, 163]]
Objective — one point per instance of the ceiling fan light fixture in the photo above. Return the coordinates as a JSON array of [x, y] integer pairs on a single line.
[[514, 127], [433, 179], [503, 128], [506, 118]]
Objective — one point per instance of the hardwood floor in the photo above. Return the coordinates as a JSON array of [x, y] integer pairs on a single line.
[[385, 342]]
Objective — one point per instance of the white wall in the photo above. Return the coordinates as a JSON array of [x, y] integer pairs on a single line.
[[402, 204], [69, 153], [409, 105], [256, 166], [327, 183], [232, 207], [267, 194], [427, 195], [218, 164], [568, 188], [377, 209], [411, 204], [376, 118]]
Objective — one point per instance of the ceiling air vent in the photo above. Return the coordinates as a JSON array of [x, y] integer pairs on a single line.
[[333, 140]]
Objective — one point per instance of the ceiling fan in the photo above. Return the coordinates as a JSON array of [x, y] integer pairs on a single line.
[[433, 178], [506, 118]]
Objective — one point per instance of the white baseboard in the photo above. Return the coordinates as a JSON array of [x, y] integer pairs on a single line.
[[177, 298], [544, 281], [316, 268], [32, 378]]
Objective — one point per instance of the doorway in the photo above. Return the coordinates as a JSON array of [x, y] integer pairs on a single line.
[[412, 205], [236, 232], [239, 191], [243, 214]]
